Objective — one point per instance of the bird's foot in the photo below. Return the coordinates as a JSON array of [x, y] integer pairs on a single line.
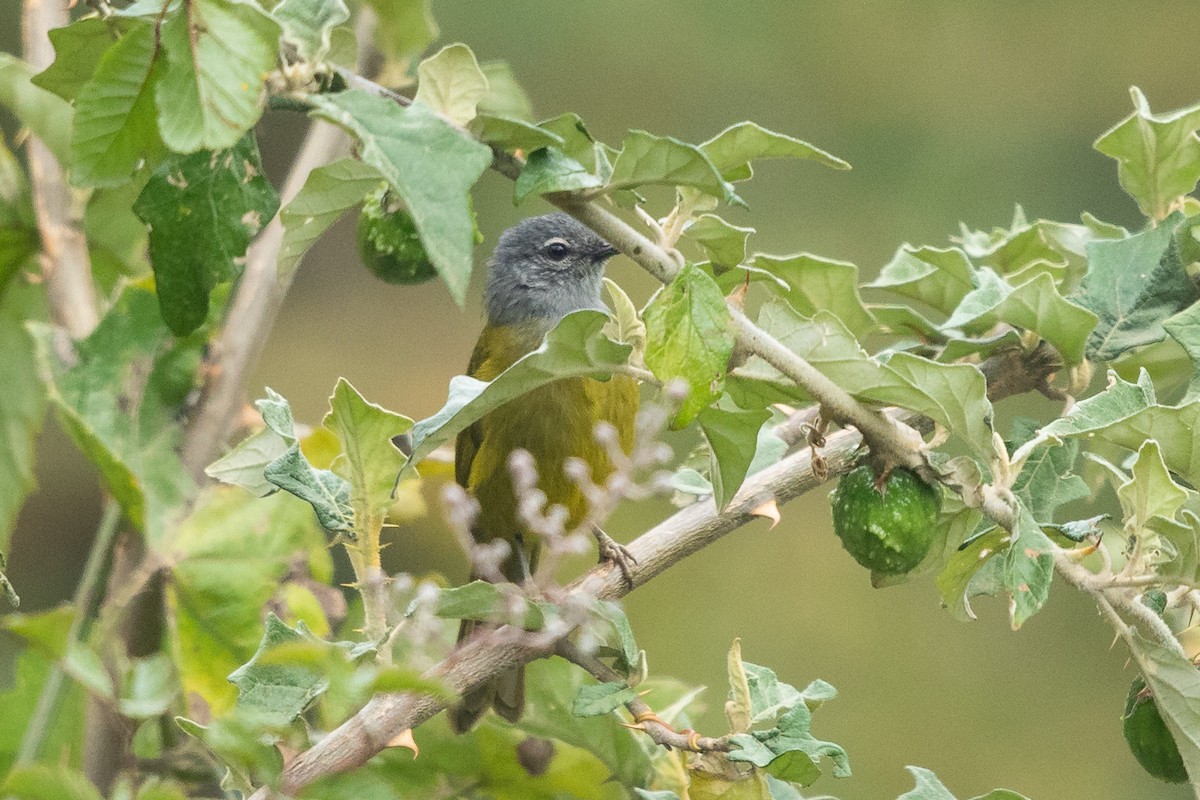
[[617, 553]]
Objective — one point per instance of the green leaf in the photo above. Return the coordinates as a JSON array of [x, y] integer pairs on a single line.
[[548, 170], [1134, 285], [630, 654], [732, 435], [129, 431], [689, 335], [954, 395], [308, 24], [816, 283], [513, 134], [789, 751], [23, 401], [724, 242], [578, 142], [326, 492], [1175, 683], [405, 27], [490, 602], [115, 116], [1028, 568], [938, 278], [278, 692], [245, 465], [602, 698], [46, 115], [211, 92], [1158, 156], [328, 192], [646, 159], [505, 97], [1120, 401], [732, 150], [78, 48], [1184, 328], [551, 688], [930, 788], [1046, 480], [576, 347], [46, 782], [203, 210], [451, 83], [370, 462], [228, 557], [431, 166], [1035, 305], [1150, 492]]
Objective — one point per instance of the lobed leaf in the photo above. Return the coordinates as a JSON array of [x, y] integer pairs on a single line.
[[938, 278], [646, 159], [548, 170], [23, 401], [431, 166], [46, 115], [308, 25], [816, 283], [328, 193], [732, 150], [451, 83]]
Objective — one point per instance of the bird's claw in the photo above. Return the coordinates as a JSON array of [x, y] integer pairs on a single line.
[[617, 553]]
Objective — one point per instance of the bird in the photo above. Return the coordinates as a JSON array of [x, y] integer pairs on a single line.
[[542, 269]]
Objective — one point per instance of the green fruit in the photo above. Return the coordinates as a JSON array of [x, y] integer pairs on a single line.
[[1149, 740], [888, 528], [388, 242]]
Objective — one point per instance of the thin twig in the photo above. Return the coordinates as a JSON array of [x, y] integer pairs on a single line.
[[64, 258]]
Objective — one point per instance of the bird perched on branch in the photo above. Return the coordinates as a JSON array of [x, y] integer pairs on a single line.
[[542, 269]]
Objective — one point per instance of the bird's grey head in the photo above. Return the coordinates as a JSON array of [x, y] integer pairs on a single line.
[[544, 268]]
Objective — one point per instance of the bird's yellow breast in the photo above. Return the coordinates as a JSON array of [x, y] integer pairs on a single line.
[[553, 423]]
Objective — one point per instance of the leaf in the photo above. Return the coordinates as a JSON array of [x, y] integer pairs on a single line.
[[1150, 492], [451, 83], [724, 242], [129, 431], [816, 283], [1035, 305], [1028, 568], [513, 134], [1175, 683], [327, 493], [505, 97], [1184, 328], [78, 48], [46, 115], [203, 210], [278, 692], [489, 602], [1158, 156], [1134, 285], [738, 705], [789, 751], [115, 117], [227, 559], [938, 278], [646, 159], [218, 54], [405, 28], [732, 150], [690, 336], [20, 695], [22, 403], [308, 24], [1046, 480], [548, 170], [430, 165], [930, 788], [954, 395], [1120, 401], [625, 326], [732, 435], [370, 462], [593, 700], [46, 782], [575, 347], [328, 192]]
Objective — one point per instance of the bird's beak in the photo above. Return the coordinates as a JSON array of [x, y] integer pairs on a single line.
[[606, 253]]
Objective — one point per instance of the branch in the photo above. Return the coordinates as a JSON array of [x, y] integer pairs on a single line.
[[686, 532], [64, 257]]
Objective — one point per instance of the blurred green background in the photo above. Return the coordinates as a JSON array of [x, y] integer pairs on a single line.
[[948, 111]]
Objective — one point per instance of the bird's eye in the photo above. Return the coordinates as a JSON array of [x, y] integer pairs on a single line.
[[557, 249]]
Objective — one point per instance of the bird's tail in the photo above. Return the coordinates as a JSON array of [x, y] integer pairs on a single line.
[[505, 693]]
